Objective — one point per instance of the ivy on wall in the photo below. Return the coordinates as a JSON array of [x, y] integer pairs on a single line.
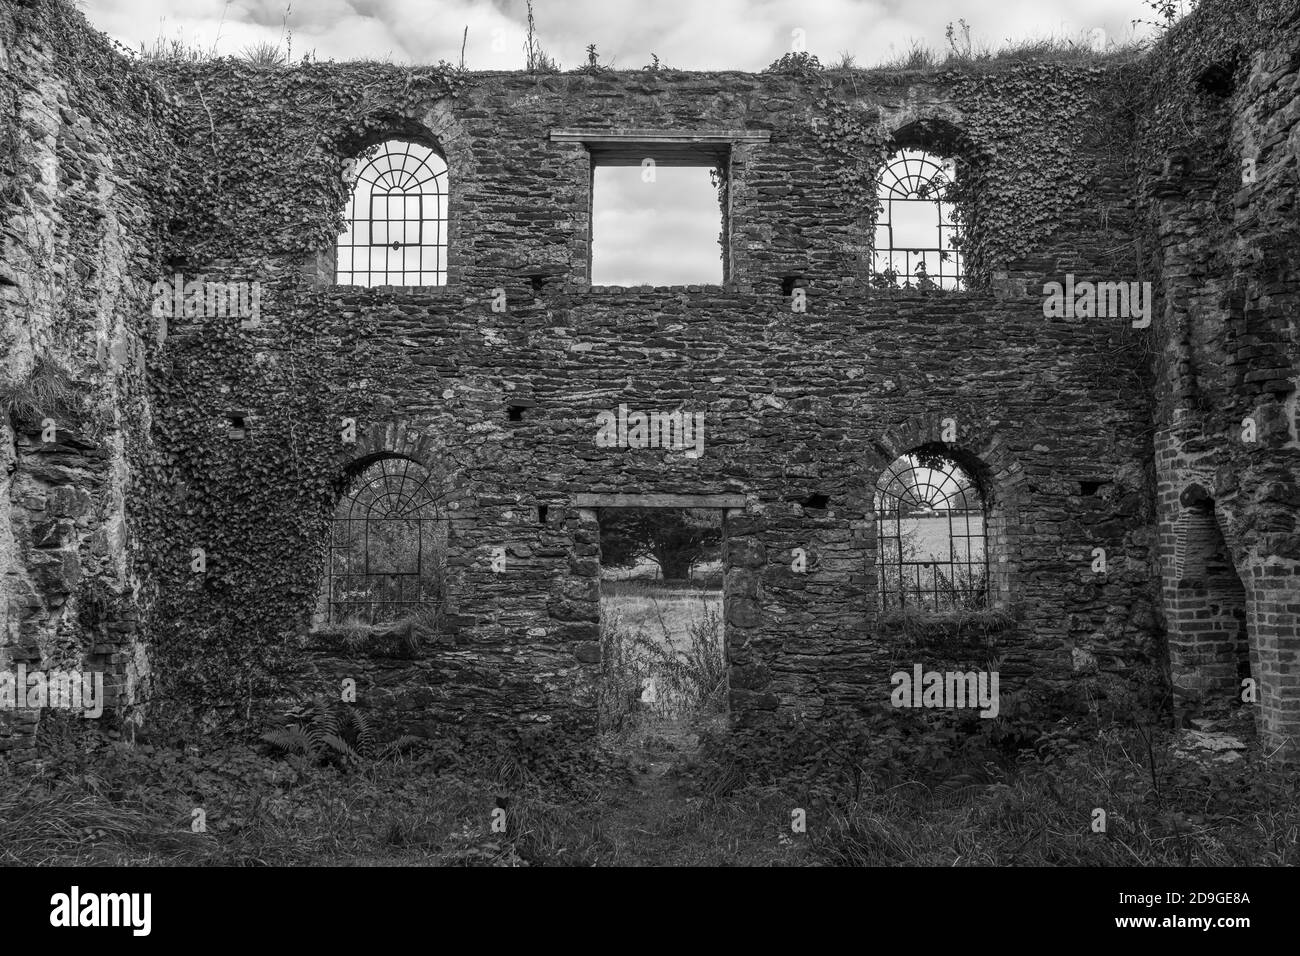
[[258, 179], [1185, 83], [1035, 129], [1023, 173], [103, 127], [258, 182], [1192, 85], [256, 505], [247, 149]]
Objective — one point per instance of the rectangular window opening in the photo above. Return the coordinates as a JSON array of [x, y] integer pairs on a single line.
[[659, 215]]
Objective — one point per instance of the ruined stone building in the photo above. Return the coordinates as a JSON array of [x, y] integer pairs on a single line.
[[171, 477]]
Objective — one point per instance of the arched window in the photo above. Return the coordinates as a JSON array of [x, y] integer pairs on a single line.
[[396, 224], [387, 546], [932, 550], [916, 228]]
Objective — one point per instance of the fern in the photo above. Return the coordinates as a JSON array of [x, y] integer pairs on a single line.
[[322, 724], [356, 729], [290, 740], [343, 732], [339, 746]]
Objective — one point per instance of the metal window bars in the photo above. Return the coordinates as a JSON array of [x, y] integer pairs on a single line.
[[917, 233], [932, 549], [387, 545], [396, 223]]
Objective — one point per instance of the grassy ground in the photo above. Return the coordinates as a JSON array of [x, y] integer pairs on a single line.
[[662, 651], [660, 786], [646, 797], [666, 612]]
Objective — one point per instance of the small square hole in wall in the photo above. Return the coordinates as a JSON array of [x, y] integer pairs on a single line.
[[235, 425], [658, 219], [515, 409], [790, 283], [1217, 80]]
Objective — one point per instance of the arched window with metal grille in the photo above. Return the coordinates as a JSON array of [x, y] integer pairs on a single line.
[[395, 230], [917, 232], [932, 552], [388, 546]]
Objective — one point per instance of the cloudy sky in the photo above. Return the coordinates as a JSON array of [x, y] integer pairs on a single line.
[[688, 34], [664, 232]]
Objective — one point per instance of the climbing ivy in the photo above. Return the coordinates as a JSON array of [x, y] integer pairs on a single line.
[[245, 144], [258, 182], [1028, 145], [1184, 83], [856, 145], [256, 505], [1036, 148]]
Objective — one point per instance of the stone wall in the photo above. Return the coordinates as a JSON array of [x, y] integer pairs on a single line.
[[236, 174], [83, 183], [1051, 413], [1224, 209]]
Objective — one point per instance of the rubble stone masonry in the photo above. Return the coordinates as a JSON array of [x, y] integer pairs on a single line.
[[1084, 433]]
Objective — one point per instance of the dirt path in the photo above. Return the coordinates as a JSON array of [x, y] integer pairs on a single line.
[[654, 819], [654, 822]]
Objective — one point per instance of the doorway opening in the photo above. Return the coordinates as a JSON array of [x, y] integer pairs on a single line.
[[662, 620]]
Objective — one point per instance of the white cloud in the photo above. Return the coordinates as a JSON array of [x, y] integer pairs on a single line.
[[674, 240], [657, 233], [724, 34]]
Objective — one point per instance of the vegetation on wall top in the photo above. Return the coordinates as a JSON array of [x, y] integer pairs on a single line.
[[1026, 143]]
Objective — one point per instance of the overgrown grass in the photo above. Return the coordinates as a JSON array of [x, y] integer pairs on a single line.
[[113, 804], [1043, 815], [963, 54], [620, 682], [48, 391], [99, 802], [670, 636], [913, 625], [265, 54], [41, 824], [175, 50]]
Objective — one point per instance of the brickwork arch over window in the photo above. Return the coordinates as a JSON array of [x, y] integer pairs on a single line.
[[917, 232], [396, 222], [388, 545], [1208, 631], [931, 536]]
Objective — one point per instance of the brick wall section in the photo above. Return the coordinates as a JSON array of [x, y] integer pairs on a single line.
[[1228, 260], [1207, 639]]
